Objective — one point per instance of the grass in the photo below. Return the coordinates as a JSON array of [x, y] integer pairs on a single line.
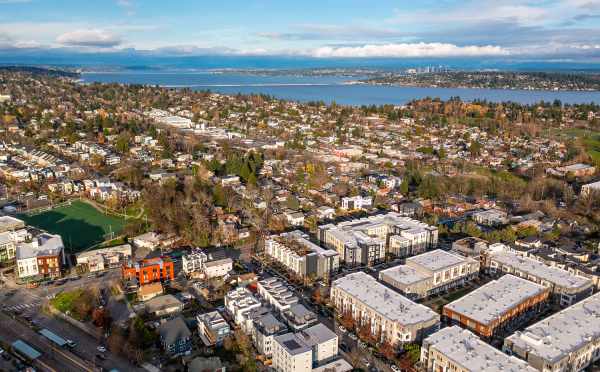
[[590, 139], [80, 225], [64, 301]]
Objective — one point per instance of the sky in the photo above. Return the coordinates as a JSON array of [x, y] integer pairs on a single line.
[[549, 30]]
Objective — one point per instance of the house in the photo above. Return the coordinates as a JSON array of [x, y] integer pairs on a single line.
[[218, 268], [356, 202], [206, 364], [41, 258], [590, 188], [175, 337], [490, 217], [149, 240], [165, 305], [325, 212], [104, 258], [294, 218], [149, 291]]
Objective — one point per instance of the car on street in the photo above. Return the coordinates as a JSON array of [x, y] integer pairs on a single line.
[[101, 349], [353, 336], [71, 344], [395, 368], [366, 362], [342, 329], [362, 344], [101, 356], [344, 347]]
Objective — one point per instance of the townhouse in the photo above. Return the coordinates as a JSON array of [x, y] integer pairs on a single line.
[[42, 258]]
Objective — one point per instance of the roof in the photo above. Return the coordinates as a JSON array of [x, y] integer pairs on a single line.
[[292, 344], [26, 350], [403, 274], [562, 333], [150, 289], [53, 337], [469, 352], [162, 302], [559, 277], [383, 300], [495, 298], [436, 260], [317, 334], [173, 330]]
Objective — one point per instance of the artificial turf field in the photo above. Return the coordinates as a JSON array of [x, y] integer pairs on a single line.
[[80, 224]]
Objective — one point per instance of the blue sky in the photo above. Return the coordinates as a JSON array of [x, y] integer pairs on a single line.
[[543, 29]]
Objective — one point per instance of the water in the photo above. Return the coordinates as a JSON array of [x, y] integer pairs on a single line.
[[327, 88]]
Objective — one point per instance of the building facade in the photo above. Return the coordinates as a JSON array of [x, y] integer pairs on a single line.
[[497, 307], [430, 273], [149, 270], [391, 317]]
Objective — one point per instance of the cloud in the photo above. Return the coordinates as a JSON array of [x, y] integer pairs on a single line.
[[89, 38], [409, 50]]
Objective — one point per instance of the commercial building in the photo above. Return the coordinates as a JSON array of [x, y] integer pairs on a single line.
[[366, 241], [566, 341], [391, 316], [459, 350], [213, 328], [566, 288], [430, 273], [42, 258], [497, 307], [295, 352], [302, 257], [199, 264], [149, 270]]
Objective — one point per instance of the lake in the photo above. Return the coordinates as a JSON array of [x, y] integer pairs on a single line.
[[326, 88]]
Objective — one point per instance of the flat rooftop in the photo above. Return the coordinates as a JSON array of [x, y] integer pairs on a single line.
[[390, 304], [436, 260], [403, 274], [554, 275], [292, 344], [492, 300], [471, 353], [562, 333]]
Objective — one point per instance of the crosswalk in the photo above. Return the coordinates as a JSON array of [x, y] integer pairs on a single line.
[[21, 307]]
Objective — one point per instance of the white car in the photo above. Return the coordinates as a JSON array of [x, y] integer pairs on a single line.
[[395, 368], [101, 349], [342, 329], [353, 336]]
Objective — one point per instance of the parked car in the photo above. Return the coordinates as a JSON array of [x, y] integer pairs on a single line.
[[101, 349], [342, 329], [72, 344], [353, 336], [395, 368]]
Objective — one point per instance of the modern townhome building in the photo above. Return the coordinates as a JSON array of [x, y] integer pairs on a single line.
[[302, 257], [566, 341], [213, 329], [459, 350], [266, 327], [497, 307], [149, 270], [304, 350], [391, 316], [430, 273], [590, 188], [350, 203], [239, 303], [565, 287], [276, 294], [366, 241], [42, 258]]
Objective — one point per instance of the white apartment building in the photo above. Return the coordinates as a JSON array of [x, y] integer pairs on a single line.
[[218, 268], [317, 345], [459, 350], [366, 241], [566, 341], [9, 241], [302, 257], [41, 258], [391, 316], [193, 262], [430, 273], [350, 203], [566, 287], [104, 258]]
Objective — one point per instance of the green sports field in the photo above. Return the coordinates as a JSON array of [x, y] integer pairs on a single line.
[[80, 224]]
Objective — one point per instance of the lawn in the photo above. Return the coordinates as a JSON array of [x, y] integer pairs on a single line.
[[64, 301], [80, 224]]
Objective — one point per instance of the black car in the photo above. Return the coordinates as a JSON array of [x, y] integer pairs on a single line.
[[101, 356], [344, 347]]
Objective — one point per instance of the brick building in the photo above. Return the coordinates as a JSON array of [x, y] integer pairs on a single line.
[[149, 270]]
